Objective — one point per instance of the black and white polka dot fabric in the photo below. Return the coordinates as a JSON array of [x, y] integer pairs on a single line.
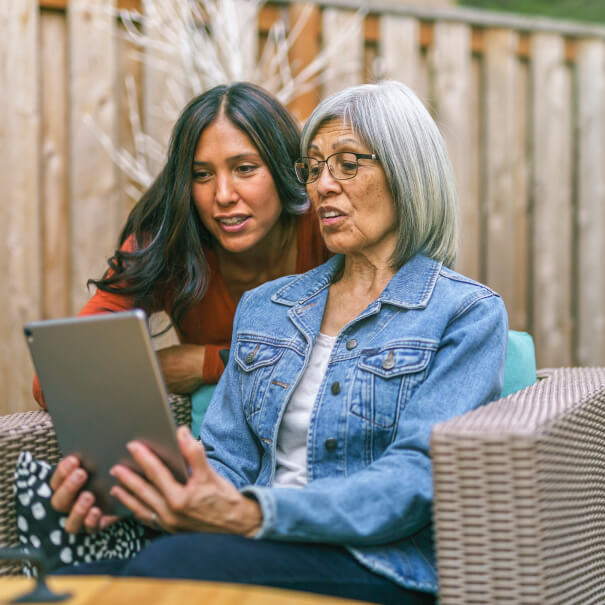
[[40, 527]]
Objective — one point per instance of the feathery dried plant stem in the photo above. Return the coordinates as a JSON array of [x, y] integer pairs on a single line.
[[197, 44]]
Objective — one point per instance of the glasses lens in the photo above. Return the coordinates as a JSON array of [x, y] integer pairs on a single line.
[[307, 170], [301, 168], [343, 165]]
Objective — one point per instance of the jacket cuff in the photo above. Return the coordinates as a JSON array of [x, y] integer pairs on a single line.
[[266, 501]]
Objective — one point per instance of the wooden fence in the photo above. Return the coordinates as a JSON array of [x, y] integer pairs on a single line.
[[520, 101]]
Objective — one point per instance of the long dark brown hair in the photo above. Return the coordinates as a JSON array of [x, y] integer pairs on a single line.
[[167, 267]]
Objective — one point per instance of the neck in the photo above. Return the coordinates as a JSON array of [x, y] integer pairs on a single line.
[[271, 258], [366, 276]]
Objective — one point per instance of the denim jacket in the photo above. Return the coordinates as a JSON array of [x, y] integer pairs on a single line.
[[430, 347]]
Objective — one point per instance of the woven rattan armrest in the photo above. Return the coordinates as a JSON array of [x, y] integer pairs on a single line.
[[520, 495], [34, 432]]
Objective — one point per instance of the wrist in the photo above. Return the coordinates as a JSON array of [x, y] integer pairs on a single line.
[[252, 515]]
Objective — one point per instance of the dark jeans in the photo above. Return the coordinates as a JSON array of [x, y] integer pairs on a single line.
[[317, 568]]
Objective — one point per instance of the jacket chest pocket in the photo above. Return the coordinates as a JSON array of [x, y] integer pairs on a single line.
[[386, 379], [257, 361]]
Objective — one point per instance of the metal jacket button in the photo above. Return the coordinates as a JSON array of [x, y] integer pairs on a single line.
[[389, 362], [331, 444], [250, 358], [335, 388], [351, 344]]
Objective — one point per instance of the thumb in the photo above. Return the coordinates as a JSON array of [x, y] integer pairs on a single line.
[[193, 451]]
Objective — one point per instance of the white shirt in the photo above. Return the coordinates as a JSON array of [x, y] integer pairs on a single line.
[[291, 450]]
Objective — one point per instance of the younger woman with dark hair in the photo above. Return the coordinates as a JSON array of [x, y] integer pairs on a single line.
[[225, 214]]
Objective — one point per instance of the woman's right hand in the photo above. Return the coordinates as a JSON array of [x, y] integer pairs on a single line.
[[69, 497]]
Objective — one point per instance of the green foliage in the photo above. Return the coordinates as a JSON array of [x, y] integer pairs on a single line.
[[577, 10]]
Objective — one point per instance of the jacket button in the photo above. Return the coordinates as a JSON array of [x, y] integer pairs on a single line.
[[389, 362], [351, 344], [331, 444], [249, 358], [335, 388]]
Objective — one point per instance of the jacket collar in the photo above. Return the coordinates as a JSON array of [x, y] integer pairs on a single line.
[[410, 288]]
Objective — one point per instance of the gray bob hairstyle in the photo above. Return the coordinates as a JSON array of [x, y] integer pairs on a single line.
[[393, 123]]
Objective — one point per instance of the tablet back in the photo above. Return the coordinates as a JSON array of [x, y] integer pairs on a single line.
[[103, 388]]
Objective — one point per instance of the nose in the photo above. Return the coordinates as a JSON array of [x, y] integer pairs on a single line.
[[225, 190], [326, 183]]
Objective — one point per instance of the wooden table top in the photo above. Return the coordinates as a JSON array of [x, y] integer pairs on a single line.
[[101, 590]]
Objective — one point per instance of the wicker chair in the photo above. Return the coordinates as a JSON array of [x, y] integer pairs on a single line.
[[519, 492], [520, 496]]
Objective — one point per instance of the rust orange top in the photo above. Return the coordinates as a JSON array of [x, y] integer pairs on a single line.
[[210, 321]]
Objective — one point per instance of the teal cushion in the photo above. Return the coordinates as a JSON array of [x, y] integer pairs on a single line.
[[520, 367], [199, 404]]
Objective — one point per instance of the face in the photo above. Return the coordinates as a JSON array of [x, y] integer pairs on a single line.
[[357, 216], [233, 189]]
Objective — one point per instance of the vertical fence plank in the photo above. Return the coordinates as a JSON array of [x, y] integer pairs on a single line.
[[474, 160], [130, 73], [451, 70], [6, 360], [92, 176], [248, 44], [54, 194], [302, 52], [519, 317], [372, 64], [500, 98], [344, 68], [590, 307], [162, 76], [400, 50], [19, 211], [552, 201]]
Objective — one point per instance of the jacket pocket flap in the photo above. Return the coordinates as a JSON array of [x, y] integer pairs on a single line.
[[396, 360], [251, 355]]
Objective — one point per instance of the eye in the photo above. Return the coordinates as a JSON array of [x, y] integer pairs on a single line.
[[245, 169], [346, 163], [201, 175], [314, 169]]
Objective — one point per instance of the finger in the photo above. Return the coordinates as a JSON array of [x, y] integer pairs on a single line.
[[140, 510], [193, 452], [81, 508], [138, 487], [107, 520], [67, 492], [92, 519], [65, 467], [156, 472]]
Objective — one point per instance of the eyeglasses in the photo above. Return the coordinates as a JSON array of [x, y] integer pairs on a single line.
[[342, 166]]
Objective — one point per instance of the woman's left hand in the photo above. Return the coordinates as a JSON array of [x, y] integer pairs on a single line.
[[207, 502]]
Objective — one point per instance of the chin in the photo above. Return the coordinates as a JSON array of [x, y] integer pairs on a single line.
[[338, 247], [234, 249], [238, 245]]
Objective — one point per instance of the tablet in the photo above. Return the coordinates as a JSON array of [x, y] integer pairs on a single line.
[[103, 387]]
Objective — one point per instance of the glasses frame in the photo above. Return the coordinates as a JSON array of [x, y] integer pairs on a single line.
[[323, 163]]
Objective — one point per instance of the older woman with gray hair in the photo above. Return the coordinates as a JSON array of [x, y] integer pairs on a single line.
[[315, 471]]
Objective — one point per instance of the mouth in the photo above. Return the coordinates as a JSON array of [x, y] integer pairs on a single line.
[[330, 215], [232, 223]]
